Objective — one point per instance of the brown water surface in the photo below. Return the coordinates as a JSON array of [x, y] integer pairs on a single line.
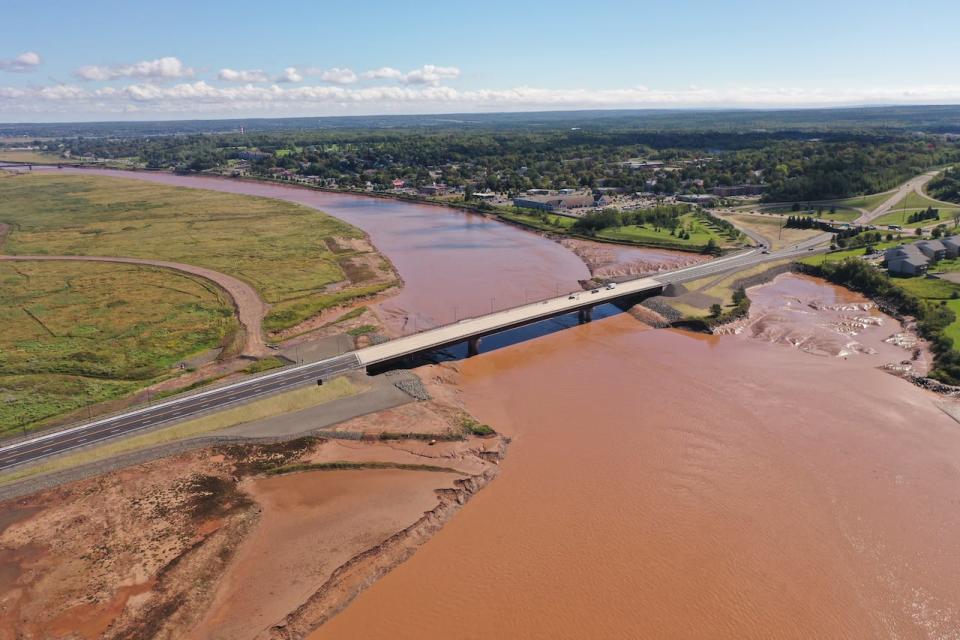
[[666, 487]]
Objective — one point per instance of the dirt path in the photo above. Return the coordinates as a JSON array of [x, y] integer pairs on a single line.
[[250, 307]]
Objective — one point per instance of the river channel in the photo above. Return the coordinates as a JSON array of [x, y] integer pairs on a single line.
[[773, 483]]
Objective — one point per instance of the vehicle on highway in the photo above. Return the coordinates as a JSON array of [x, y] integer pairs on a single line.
[[595, 291], [572, 297], [765, 251], [611, 285]]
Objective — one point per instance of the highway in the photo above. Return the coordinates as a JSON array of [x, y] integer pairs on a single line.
[[192, 405]]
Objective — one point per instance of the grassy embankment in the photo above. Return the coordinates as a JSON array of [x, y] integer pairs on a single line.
[[701, 230], [773, 229], [702, 294], [79, 333], [8, 155], [913, 203], [278, 247], [268, 407], [76, 334]]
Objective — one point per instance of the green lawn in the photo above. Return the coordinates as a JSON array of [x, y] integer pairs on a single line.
[[928, 288], [914, 200], [897, 217], [869, 202], [79, 333], [842, 214], [837, 256], [700, 231], [286, 251]]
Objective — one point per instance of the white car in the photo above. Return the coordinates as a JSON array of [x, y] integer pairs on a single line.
[[612, 285]]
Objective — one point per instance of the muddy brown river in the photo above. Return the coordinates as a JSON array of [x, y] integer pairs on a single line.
[[773, 483], [663, 485]]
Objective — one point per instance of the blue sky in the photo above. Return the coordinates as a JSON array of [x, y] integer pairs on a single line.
[[107, 60]]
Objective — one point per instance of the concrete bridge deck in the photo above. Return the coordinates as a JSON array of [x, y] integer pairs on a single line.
[[471, 328]]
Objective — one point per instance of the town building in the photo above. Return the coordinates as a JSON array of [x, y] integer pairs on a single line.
[[555, 203], [906, 260], [253, 155], [697, 198], [433, 190], [933, 249], [739, 190], [952, 246]]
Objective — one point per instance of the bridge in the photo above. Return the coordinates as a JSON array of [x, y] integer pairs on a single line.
[[472, 330], [469, 330]]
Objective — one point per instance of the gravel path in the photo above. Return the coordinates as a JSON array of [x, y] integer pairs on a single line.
[[250, 307]]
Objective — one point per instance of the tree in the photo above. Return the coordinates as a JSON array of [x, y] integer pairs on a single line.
[[716, 310], [739, 296], [711, 248]]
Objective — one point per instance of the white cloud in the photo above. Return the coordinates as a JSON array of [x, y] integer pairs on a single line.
[[336, 75], [199, 98], [290, 74], [168, 68], [383, 73], [431, 74], [251, 75], [428, 74], [26, 61]]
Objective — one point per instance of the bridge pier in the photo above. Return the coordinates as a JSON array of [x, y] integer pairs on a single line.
[[585, 315], [473, 347]]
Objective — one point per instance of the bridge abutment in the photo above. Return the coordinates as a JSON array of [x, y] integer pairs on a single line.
[[585, 315]]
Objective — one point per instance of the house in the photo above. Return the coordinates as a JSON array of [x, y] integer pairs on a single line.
[[906, 260], [952, 245], [933, 249], [484, 195], [399, 183]]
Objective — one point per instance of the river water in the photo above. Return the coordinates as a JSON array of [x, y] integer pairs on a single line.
[[664, 485], [774, 483]]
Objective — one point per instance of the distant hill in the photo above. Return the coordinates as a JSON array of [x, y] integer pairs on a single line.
[[930, 119]]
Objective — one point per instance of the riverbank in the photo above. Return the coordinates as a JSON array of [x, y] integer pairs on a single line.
[[242, 540]]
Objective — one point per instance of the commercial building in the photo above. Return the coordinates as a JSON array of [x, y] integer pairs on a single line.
[[433, 190], [697, 198], [739, 190], [555, 203]]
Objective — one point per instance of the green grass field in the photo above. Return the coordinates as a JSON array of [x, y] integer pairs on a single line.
[[842, 214], [278, 247], [34, 156], [78, 333], [914, 200], [837, 256], [869, 202], [700, 231], [897, 217]]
